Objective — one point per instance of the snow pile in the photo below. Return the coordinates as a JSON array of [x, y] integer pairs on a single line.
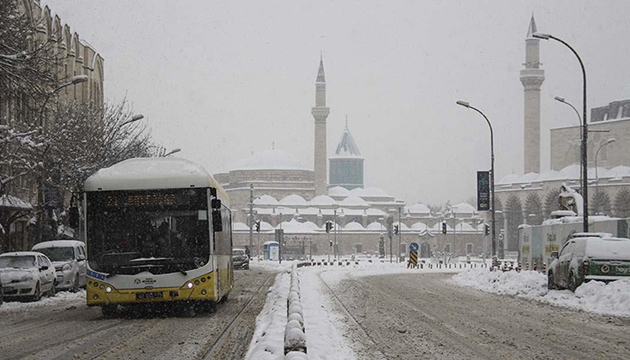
[[525, 283], [270, 265], [598, 297], [268, 338], [61, 300]]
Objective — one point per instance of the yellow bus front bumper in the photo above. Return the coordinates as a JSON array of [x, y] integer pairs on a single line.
[[197, 289]]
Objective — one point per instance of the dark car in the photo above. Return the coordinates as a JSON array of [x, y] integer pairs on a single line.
[[584, 259], [240, 260]]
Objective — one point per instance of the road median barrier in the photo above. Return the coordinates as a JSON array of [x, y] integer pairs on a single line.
[[294, 335]]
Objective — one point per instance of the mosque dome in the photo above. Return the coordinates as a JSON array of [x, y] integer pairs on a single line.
[[267, 160]]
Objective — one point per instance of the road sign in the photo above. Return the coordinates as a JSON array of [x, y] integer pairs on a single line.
[[483, 190], [413, 254]]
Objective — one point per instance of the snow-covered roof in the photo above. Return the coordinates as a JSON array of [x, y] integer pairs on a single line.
[[322, 200], [375, 226], [239, 226], [338, 191], [22, 253], [347, 148], [571, 172], [296, 227], [464, 208], [293, 199], [265, 226], [353, 226], [354, 201], [463, 226], [57, 243], [267, 160], [419, 226], [14, 203], [265, 200], [418, 209], [375, 212], [151, 173]]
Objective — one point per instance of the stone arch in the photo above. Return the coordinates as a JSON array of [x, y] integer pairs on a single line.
[[514, 213], [622, 203], [551, 202], [534, 209], [600, 203]]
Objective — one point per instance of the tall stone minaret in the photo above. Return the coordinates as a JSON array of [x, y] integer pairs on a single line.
[[532, 78], [320, 113]]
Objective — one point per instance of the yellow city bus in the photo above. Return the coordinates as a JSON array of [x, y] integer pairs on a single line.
[[157, 230]]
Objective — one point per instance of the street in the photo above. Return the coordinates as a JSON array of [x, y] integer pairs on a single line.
[[74, 330], [427, 316]]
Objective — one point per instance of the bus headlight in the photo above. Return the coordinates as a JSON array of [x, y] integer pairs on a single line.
[[190, 285], [108, 289]]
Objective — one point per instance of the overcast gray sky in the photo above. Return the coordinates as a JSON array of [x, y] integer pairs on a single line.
[[222, 79]]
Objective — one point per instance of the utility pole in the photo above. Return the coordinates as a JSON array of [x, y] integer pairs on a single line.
[[399, 233], [390, 221], [251, 219], [335, 233]]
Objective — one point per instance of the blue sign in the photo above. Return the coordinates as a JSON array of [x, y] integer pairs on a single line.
[[413, 247], [95, 275]]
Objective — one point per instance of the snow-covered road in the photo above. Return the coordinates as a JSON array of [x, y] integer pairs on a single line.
[[63, 327], [425, 315]]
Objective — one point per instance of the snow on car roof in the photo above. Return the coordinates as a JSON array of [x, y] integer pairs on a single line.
[[57, 243], [608, 249], [22, 253]]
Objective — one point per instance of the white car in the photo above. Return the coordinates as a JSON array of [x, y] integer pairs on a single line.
[[69, 259], [26, 274]]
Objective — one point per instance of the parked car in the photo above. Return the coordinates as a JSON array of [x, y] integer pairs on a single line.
[[240, 260], [69, 259], [583, 259], [26, 275]]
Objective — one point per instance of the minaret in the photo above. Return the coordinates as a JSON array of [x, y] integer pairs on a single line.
[[532, 78], [320, 113]]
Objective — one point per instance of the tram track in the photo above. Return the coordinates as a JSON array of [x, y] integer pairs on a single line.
[[216, 345]]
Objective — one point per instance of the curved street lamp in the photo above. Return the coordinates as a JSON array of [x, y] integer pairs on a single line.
[[562, 100], [494, 239], [176, 150], [77, 79], [609, 141], [584, 127]]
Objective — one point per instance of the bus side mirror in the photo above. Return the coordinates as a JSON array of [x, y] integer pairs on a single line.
[[215, 204], [217, 224], [554, 254]]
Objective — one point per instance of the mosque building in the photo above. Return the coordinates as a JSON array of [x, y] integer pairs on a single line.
[[300, 201]]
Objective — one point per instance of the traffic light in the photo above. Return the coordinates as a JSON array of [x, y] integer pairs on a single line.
[[328, 228], [486, 229], [396, 229], [444, 228], [330, 243], [257, 225]]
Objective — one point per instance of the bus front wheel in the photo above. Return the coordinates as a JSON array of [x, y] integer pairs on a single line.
[[109, 310]]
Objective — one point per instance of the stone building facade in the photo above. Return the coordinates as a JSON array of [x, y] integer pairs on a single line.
[[72, 56]]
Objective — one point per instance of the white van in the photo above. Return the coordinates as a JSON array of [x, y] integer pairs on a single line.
[[69, 259]]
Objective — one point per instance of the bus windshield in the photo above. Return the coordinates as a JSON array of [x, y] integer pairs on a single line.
[[159, 231]]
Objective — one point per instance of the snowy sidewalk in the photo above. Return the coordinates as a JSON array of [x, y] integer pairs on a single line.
[[607, 299]]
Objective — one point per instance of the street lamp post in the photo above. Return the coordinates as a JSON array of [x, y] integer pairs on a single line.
[[494, 241], [609, 141], [172, 152], [77, 79], [584, 128], [562, 100]]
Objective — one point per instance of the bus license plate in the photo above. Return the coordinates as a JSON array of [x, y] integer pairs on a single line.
[[149, 295]]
